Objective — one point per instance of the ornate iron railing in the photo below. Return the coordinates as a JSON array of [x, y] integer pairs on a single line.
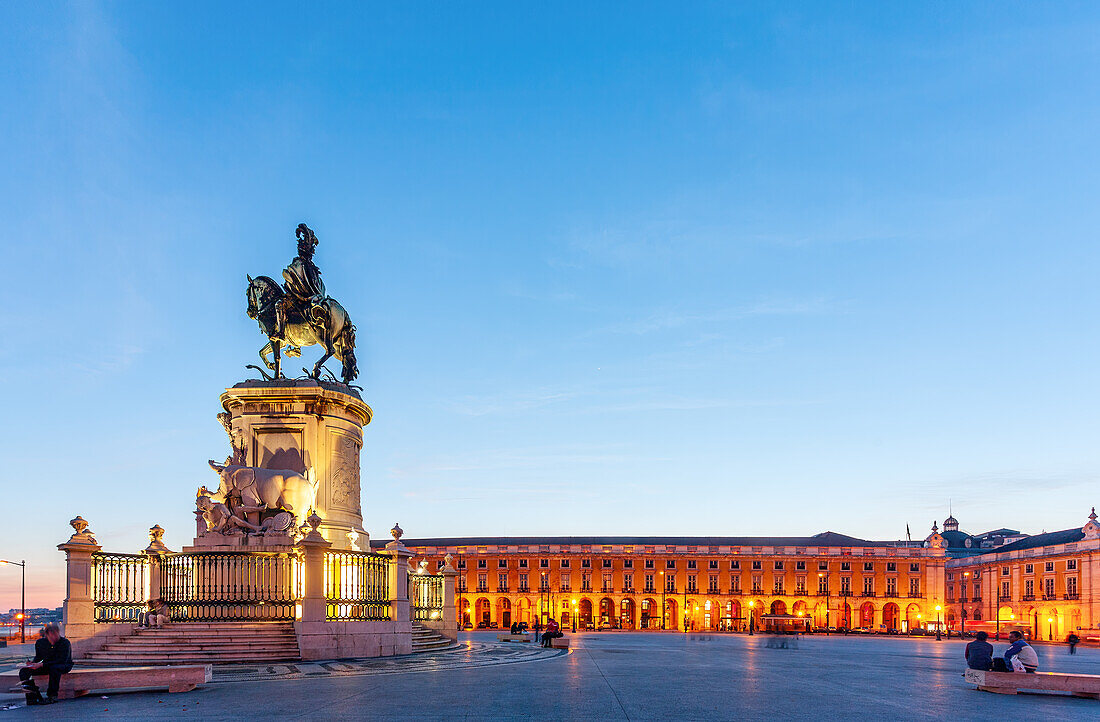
[[118, 586], [231, 586], [426, 597], [357, 585]]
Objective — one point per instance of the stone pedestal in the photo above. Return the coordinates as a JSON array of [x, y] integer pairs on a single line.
[[301, 424]]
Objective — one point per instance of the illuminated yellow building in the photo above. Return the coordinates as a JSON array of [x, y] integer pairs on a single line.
[[1046, 585], [700, 583]]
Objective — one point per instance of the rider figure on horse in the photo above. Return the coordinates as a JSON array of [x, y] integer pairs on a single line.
[[305, 291]]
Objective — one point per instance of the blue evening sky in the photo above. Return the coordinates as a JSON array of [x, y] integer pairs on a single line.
[[616, 269]]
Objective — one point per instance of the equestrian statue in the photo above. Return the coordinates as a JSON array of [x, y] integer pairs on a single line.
[[299, 314]]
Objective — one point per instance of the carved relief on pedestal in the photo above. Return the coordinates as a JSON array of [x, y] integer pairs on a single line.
[[344, 477]]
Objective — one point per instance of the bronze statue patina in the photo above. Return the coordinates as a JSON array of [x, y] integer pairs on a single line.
[[300, 314]]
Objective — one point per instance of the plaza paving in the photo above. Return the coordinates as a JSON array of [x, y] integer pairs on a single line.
[[612, 675]]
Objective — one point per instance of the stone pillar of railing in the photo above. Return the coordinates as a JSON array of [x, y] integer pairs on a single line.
[[78, 611], [154, 551], [399, 577], [313, 547], [450, 610]]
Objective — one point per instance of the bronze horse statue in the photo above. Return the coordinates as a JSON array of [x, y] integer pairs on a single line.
[[324, 323]]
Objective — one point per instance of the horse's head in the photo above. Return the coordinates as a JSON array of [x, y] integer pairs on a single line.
[[262, 293]]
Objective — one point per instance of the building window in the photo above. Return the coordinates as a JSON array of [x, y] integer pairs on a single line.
[[757, 565], [1050, 566], [800, 566], [566, 585], [670, 564], [822, 566], [462, 583], [823, 585], [692, 588], [891, 586], [1029, 589], [712, 586], [1029, 569], [692, 564], [586, 563], [735, 564], [607, 582], [586, 582], [1048, 588], [845, 585], [502, 582], [628, 564], [544, 563], [461, 563], [606, 563], [1071, 587], [544, 583], [502, 563], [777, 585], [868, 566], [564, 563], [845, 566], [914, 586], [1006, 590], [1071, 564], [757, 583], [522, 563], [869, 586], [482, 582], [670, 583], [648, 563], [1004, 571], [649, 583], [891, 566], [712, 564], [778, 565], [523, 582], [735, 584], [482, 563], [914, 567], [800, 585], [628, 582]]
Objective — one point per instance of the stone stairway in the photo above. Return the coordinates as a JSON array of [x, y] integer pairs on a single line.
[[428, 640], [202, 643]]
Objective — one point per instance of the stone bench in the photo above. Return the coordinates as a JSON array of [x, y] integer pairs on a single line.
[[82, 680], [514, 637], [1079, 685], [560, 642]]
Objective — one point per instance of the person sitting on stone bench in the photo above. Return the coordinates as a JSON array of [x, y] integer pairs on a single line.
[[1019, 657], [551, 633], [979, 653], [53, 656]]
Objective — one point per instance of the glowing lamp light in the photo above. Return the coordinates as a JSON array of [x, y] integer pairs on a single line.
[[19, 615], [1012, 616], [800, 614], [752, 604], [938, 607], [1050, 619], [918, 616]]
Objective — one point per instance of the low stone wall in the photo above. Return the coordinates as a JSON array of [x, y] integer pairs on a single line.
[[338, 640]]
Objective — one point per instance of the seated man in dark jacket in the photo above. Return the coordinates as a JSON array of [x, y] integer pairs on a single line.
[[979, 653], [53, 655]]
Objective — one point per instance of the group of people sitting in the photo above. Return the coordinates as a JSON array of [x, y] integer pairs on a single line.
[[1019, 657]]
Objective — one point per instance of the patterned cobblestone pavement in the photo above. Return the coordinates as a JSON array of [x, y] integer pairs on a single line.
[[468, 655]]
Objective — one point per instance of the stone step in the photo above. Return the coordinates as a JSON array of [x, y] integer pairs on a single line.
[[134, 648], [438, 644], [228, 635], [137, 661]]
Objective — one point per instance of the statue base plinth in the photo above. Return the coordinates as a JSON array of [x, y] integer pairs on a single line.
[[223, 543], [302, 425]]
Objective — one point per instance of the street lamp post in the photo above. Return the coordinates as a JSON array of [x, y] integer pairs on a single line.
[[1050, 628], [664, 612], [997, 610], [939, 622], [22, 597], [574, 615], [752, 619]]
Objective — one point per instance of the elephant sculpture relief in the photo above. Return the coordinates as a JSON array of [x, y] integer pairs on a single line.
[[256, 487]]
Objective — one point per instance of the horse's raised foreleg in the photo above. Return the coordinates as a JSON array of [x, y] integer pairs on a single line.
[[278, 360]]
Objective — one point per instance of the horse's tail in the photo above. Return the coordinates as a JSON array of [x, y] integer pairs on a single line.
[[349, 336]]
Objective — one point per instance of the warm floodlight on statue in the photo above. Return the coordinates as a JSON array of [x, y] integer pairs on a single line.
[[298, 313]]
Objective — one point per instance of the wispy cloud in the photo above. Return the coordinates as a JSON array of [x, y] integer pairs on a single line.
[[511, 402], [521, 459]]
